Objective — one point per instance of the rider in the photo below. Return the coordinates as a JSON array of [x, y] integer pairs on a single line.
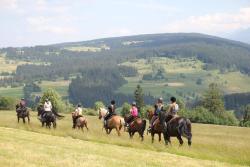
[[111, 112], [22, 105], [173, 108], [133, 114], [77, 114], [47, 107], [158, 108]]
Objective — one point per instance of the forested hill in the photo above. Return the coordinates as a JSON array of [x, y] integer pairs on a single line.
[[217, 52], [89, 59]]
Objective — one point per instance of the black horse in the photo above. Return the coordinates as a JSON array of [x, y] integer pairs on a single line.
[[175, 127], [22, 112], [47, 118]]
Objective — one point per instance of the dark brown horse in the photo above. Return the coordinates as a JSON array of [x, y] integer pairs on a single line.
[[137, 125], [22, 113], [175, 127], [157, 128], [81, 122]]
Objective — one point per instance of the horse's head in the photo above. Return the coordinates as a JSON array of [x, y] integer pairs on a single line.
[[17, 106], [39, 110], [150, 113], [102, 112], [126, 118]]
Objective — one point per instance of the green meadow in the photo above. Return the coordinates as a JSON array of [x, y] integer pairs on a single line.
[[32, 145]]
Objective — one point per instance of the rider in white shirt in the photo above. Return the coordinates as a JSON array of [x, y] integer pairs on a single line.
[[47, 106]]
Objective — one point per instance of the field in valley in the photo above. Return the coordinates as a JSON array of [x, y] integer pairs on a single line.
[[31, 145], [181, 75]]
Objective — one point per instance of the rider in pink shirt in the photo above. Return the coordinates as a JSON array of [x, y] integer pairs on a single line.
[[133, 114], [134, 111]]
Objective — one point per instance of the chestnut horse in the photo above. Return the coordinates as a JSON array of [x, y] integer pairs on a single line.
[[81, 122], [175, 127], [137, 125], [157, 128], [115, 122]]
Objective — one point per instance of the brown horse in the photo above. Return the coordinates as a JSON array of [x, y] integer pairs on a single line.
[[22, 113], [81, 122], [115, 122], [138, 125], [157, 128], [175, 127]]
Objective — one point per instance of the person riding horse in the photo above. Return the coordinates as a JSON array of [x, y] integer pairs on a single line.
[[22, 106], [111, 112], [47, 107], [173, 108], [133, 114], [77, 114], [158, 108]]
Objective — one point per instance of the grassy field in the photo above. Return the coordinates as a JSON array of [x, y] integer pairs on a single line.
[[12, 92], [181, 75], [87, 48], [212, 146]]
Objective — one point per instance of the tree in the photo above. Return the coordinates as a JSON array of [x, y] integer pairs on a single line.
[[139, 97], [247, 113], [98, 105], [125, 109], [213, 100], [55, 99]]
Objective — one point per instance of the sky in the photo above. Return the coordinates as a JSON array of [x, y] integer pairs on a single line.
[[41, 22]]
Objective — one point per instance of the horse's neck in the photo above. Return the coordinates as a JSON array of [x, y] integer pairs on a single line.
[[103, 112]]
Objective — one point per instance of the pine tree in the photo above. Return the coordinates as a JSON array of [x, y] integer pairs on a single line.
[[139, 97], [213, 100]]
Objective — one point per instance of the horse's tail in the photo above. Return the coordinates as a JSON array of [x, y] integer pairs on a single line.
[[188, 130], [121, 123], [58, 115]]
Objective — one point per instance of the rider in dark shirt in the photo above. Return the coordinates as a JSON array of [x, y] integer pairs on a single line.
[[111, 112]]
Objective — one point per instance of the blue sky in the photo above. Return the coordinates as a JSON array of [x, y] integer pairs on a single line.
[[39, 22]]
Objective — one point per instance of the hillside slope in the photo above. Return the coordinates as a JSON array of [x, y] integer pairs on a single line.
[[210, 143], [23, 148]]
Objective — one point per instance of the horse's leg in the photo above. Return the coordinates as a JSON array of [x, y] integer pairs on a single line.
[[130, 134], [159, 134], [166, 138], [28, 119], [118, 131], [152, 135], [86, 125], [54, 124], [180, 140], [141, 134], [24, 120]]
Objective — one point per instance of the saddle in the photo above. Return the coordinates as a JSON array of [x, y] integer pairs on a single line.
[[21, 110]]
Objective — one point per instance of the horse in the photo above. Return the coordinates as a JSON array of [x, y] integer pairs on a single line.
[[81, 122], [48, 117], [157, 128], [22, 113], [115, 122], [175, 126], [137, 125]]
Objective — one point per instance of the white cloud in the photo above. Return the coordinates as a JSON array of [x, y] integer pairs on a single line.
[[8, 4], [49, 25], [212, 23]]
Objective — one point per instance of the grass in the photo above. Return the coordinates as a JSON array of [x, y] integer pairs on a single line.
[[12, 92], [87, 48], [181, 75], [212, 146]]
